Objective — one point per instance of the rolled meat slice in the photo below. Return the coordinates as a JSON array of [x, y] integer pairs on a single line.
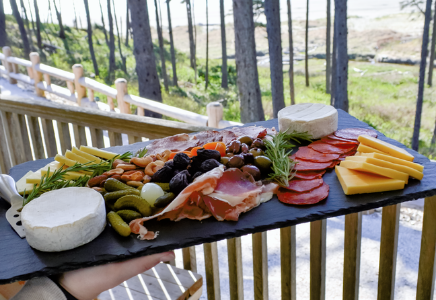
[[327, 148]]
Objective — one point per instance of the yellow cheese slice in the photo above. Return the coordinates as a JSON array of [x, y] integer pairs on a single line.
[[98, 152], [88, 156], [75, 157], [366, 149], [385, 147], [370, 168], [23, 186], [69, 162], [395, 160], [68, 176], [386, 164], [54, 165], [354, 182], [35, 178]]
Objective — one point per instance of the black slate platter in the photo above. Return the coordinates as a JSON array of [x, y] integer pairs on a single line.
[[18, 261]]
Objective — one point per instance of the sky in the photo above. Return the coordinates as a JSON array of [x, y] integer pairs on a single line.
[[317, 10]]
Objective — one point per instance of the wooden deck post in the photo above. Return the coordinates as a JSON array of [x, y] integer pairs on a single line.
[[260, 266], [236, 281], [212, 271], [214, 113], [37, 76], [80, 90], [121, 86], [288, 262], [352, 239], [8, 66], [318, 231]]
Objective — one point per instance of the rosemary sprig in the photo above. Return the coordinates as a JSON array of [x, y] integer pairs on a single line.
[[278, 149]]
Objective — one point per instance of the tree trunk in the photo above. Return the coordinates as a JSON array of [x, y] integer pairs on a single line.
[[102, 22], [149, 86], [173, 52], [272, 13], [20, 23], [341, 92], [191, 34], [123, 59], [49, 13], [195, 42], [307, 45], [433, 138], [206, 77], [38, 25], [327, 49], [61, 25], [3, 34], [433, 43], [127, 25], [224, 75], [161, 48], [291, 54], [111, 43], [90, 44], [419, 100], [31, 16], [246, 64], [76, 21], [23, 8]]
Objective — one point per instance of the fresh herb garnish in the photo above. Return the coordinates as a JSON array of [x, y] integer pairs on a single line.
[[141, 153], [278, 149]]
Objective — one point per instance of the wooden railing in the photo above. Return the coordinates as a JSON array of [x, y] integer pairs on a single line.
[[16, 147], [80, 87]]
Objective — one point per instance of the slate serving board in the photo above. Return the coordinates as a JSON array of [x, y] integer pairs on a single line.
[[18, 261]]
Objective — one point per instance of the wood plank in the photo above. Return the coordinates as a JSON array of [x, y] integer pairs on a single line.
[[260, 265], [16, 144], [427, 257], [288, 257], [115, 139], [352, 242], [388, 252], [97, 137], [317, 259], [236, 280], [212, 271], [36, 136], [189, 259], [64, 136], [49, 137], [25, 137], [5, 161], [79, 135], [134, 139]]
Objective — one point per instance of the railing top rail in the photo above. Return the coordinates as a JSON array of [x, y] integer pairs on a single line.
[[2, 56], [61, 74], [98, 87], [19, 61]]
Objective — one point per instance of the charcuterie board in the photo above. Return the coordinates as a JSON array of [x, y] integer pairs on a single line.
[[19, 261]]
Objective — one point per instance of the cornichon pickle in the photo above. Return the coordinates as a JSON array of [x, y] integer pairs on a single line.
[[118, 224], [111, 197], [164, 186], [133, 202], [129, 215], [164, 200], [112, 185]]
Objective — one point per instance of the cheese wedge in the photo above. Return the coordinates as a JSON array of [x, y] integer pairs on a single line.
[[75, 157], [354, 182], [88, 156], [395, 160], [370, 168], [23, 186], [385, 147], [98, 152], [366, 149], [386, 164]]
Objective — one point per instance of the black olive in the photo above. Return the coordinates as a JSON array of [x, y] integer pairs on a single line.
[[245, 140], [195, 163], [176, 172], [204, 154], [170, 164], [181, 161], [235, 161], [163, 175], [248, 158], [244, 148], [234, 147], [258, 143], [252, 170], [196, 175], [229, 154], [209, 164], [179, 182]]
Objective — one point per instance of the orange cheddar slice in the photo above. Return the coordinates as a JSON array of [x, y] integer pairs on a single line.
[[385, 147], [370, 168]]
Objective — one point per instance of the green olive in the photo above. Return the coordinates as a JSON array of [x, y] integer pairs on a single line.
[[263, 163], [225, 160], [256, 152], [245, 140]]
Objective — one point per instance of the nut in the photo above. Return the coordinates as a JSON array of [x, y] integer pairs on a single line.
[[164, 156], [96, 180], [116, 171], [133, 176], [98, 189], [141, 161], [126, 167], [117, 162], [147, 179], [135, 183], [153, 167], [116, 176]]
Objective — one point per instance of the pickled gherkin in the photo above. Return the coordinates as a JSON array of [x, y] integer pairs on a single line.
[[129, 215], [112, 185], [121, 227], [164, 200], [112, 197], [133, 202], [164, 186]]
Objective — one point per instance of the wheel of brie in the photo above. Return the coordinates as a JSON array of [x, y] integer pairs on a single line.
[[317, 119], [64, 219]]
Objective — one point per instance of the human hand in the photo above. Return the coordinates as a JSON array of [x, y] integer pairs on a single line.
[[90, 282]]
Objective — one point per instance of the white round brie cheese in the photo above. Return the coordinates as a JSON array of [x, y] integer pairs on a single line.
[[317, 119], [64, 219]]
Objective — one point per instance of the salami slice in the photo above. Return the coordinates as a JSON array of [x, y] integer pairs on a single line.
[[327, 148], [304, 165], [309, 174], [340, 142], [343, 156], [309, 154], [353, 133], [311, 197], [334, 137], [300, 186]]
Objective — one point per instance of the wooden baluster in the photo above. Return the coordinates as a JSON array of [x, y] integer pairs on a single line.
[[47, 79], [115, 139], [140, 111], [70, 86], [97, 137], [212, 271], [352, 239], [5, 162], [189, 259], [25, 138], [80, 90], [215, 114], [260, 265], [110, 102], [134, 139], [91, 95], [7, 122], [317, 259], [288, 256], [388, 252], [236, 281], [64, 136], [121, 86], [37, 76], [30, 72], [15, 142], [427, 257], [8, 66], [79, 135], [49, 137], [36, 136]]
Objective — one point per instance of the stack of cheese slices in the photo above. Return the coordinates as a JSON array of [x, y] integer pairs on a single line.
[[377, 167]]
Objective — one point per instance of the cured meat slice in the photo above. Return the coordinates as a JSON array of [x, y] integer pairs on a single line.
[[175, 143], [311, 197], [210, 136], [353, 133], [251, 131], [338, 142], [311, 166], [327, 148], [343, 156], [334, 137], [300, 186], [309, 174], [309, 154]]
